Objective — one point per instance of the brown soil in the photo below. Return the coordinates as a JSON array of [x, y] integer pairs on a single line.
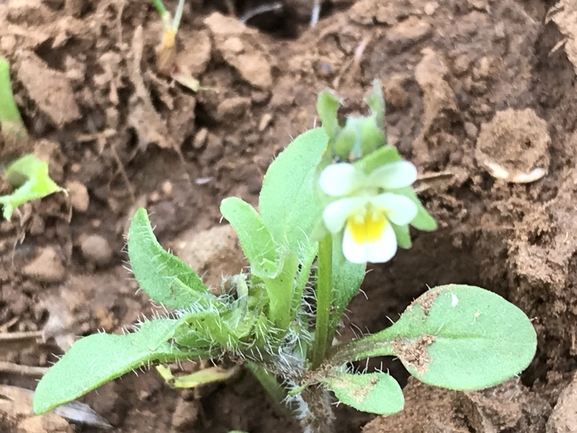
[[470, 86]]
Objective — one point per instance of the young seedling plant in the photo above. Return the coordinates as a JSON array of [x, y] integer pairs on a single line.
[[27, 175], [336, 198]]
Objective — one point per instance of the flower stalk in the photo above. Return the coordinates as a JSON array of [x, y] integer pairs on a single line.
[[323, 295]]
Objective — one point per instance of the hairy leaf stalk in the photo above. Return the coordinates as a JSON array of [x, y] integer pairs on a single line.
[[316, 413]]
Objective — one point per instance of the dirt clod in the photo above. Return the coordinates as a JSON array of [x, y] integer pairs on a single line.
[[233, 108], [564, 416], [514, 145], [46, 267], [240, 48], [395, 95], [78, 194], [96, 250], [212, 253], [409, 32], [48, 88]]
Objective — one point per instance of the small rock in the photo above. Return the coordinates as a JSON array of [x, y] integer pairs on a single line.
[[233, 108], [471, 130], [264, 122], [167, 188], [461, 65], [430, 8], [78, 194], [96, 249], [260, 98], [200, 138], [46, 267]]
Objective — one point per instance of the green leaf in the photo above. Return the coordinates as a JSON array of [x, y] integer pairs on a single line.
[[377, 393], [288, 203], [10, 120], [455, 336], [164, 277], [255, 239], [280, 291], [100, 358], [347, 278], [30, 176]]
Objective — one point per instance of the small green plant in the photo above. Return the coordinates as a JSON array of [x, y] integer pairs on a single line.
[[166, 51], [27, 174], [338, 197]]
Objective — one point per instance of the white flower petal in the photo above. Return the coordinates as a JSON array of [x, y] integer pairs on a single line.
[[336, 213], [379, 251], [353, 252], [400, 209], [393, 175], [339, 179], [383, 249]]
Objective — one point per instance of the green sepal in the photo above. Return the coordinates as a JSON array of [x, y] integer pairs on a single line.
[[423, 221], [377, 393], [378, 158], [328, 103], [403, 236], [376, 101]]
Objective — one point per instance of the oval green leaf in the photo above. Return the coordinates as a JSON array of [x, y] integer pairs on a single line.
[[456, 336]]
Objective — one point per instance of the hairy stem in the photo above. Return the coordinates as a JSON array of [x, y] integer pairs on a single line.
[[10, 119], [323, 292], [316, 413]]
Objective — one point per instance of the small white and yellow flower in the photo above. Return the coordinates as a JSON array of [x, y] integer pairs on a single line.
[[365, 208]]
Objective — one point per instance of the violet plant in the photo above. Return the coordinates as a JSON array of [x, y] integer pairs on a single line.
[[336, 198]]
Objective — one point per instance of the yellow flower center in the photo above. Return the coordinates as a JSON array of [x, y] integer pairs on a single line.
[[367, 224]]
